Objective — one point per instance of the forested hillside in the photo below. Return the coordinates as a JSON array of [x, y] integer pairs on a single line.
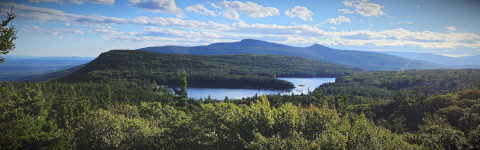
[[384, 84], [439, 105], [359, 59], [125, 115], [234, 71]]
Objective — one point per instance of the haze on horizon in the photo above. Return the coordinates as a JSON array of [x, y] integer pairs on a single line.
[[90, 27]]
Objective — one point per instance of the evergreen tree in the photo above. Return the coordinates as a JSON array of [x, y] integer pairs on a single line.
[[8, 35], [181, 94]]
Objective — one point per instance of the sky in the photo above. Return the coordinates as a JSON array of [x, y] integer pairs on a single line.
[[90, 27]]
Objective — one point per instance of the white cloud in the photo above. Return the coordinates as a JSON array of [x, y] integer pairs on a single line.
[[200, 9], [451, 55], [176, 22], [158, 6], [251, 9], [300, 12], [405, 22], [76, 1], [402, 37], [215, 6], [53, 32], [369, 9], [189, 37], [378, 50], [51, 1], [167, 32], [348, 3], [338, 20], [345, 11], [44, 15], [394, 37], [451, 28], [106, 30], [230, 14], [362, 7], [108, 2], [304, 30]]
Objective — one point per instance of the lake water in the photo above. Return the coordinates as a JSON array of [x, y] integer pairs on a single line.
[[302, 85]]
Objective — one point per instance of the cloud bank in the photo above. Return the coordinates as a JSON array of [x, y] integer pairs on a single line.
[[300, 12]]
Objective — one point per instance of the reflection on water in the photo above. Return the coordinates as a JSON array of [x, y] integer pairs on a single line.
[[302, 85]]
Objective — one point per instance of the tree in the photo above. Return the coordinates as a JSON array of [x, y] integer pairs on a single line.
[[437, 133], [8, 35], [181, 95]]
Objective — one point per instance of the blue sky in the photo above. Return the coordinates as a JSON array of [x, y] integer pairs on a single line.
[[90, 27]]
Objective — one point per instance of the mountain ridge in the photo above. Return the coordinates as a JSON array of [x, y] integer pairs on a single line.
[[455, 62], [22, 67], [371, 61]]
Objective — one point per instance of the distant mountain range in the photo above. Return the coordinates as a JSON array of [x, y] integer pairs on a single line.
[[371, 61], [18, 68], [55, 75], [455, 62], [33, 68]]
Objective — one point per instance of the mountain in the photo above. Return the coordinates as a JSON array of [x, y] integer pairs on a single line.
[[18, 68], [359, 59], [226, 71], [455, 62]]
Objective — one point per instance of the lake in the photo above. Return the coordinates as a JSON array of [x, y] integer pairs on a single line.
[[302, 85]]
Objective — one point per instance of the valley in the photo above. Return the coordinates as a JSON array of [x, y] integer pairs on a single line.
[[127, 99]]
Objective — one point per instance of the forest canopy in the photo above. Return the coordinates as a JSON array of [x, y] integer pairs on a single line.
[[126, 115]]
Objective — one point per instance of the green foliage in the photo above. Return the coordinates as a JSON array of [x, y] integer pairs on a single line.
[[231, 71], [400, 100], [47, 115], [181, 95], [406, 112], [8, 35], [436, 133], [474, 138], [143, 115], [104, 130], [260, 126], [384, 84]]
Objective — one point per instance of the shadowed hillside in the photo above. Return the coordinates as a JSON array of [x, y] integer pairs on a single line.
[[233, 71]]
